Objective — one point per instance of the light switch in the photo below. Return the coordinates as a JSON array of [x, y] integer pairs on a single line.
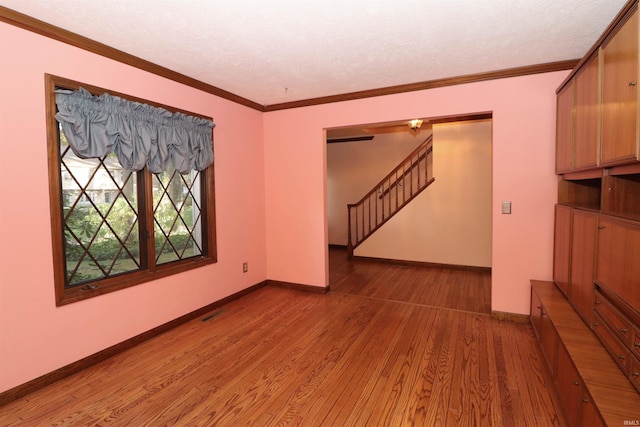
[[506, 208]]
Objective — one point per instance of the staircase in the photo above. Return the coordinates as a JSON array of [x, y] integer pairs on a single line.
[[392, 193]]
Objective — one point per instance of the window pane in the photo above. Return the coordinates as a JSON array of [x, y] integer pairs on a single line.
[[177, 212], [99, 203]]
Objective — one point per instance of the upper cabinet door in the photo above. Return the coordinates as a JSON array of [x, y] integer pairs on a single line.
[[564, 129], [620, 94], [585, 154]]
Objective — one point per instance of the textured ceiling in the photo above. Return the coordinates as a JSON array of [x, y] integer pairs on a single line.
[[275, 51]]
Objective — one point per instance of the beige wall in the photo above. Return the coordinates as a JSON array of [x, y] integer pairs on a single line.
[[450, 222]]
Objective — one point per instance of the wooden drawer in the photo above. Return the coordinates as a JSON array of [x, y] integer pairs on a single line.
[[618, 351], [636, 342], [634, 372], [616, 320]]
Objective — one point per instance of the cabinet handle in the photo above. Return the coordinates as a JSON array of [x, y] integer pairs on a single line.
[[602, 227], [623, 330], [596, 324], [632, 83], [621, 357], [576, 383], [636, 374], [636, 344], [597, 302], [585, 400]]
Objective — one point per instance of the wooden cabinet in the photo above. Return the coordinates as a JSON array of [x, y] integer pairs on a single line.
[[618, 259], [536, 315], [592, 390], [562, 247], [585, 153], [544, 331], [614, 346], [569, 386], [574, 256], [635, 345], [621, 191], [549, 341], [575, 398], [583, 248], [634, 372], [619, 94], [619, 324], [593, 312], [618, 333], [564, 129], [597, 108], [589, 416], [585, 193], [577, 108]]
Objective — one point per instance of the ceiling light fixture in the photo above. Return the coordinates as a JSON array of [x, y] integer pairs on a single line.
[[415, 124]]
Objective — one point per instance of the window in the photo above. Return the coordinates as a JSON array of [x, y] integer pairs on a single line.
[[114, 227]]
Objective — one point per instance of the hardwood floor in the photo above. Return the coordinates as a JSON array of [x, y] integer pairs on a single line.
[[285, 357], [467, 290]]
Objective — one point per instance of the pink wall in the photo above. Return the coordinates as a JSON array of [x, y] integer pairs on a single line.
[[37, 337], [270, 198], [523, 172]]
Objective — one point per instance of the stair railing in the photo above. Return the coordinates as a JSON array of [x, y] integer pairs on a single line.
[[392, 193]]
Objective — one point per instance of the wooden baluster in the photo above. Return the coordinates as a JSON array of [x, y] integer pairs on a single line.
[[369, 210], [389, 196], [376, 198], [418, 172], [426, 164], [364, 220], [396, 187], [358, 240], [349, 240], [411, 175], [430, 159]]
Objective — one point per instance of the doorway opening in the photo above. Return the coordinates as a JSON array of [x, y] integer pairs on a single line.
[[437, 250]]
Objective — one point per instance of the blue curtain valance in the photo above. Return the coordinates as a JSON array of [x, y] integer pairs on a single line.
[[139, 134]]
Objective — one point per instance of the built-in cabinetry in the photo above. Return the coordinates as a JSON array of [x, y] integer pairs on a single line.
[[599, 128], [588, 319], [574, 394], [605, 277], [562, 248], [544, 331], [620, 92], [577, 120], [574, 257], [592, 390], [564, 129], [618, 261], [586, 115], [583, 247]]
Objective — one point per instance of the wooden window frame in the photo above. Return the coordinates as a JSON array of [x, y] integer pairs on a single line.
[[149, 270]]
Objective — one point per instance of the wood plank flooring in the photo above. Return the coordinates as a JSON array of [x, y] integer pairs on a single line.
[[280, 357], [467, 290]]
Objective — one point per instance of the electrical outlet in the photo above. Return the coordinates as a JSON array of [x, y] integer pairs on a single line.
[[245, 267], [506, 208]]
